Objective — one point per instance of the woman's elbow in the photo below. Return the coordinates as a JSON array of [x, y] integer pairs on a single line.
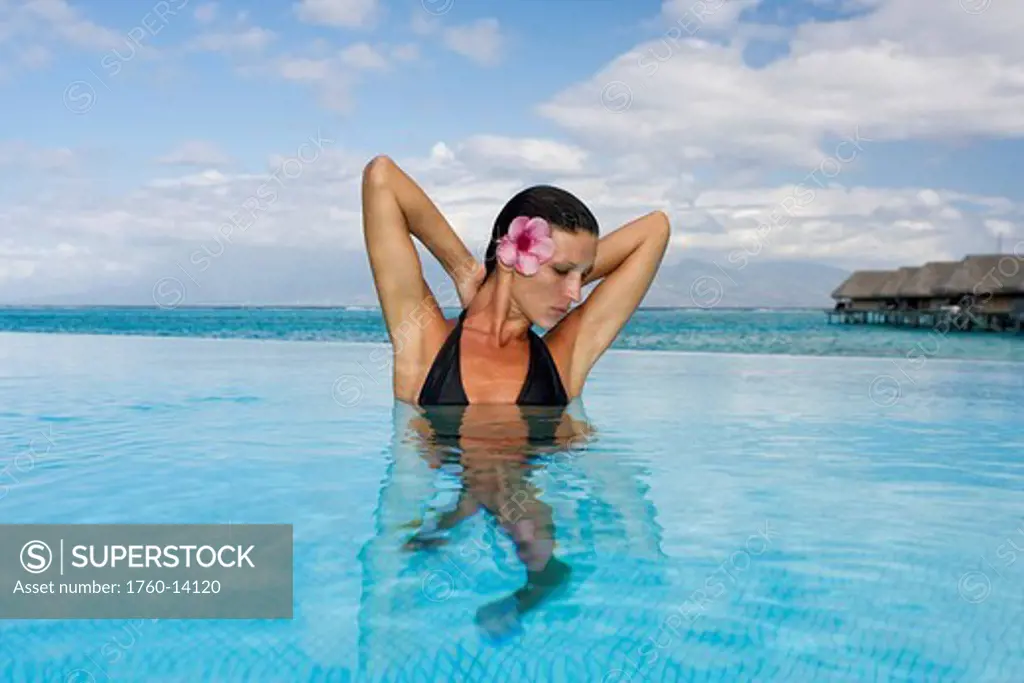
[[377, 172], [661, 226]]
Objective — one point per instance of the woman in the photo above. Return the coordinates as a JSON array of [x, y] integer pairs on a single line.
[[544, 249]]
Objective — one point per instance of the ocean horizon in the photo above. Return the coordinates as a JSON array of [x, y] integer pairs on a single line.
[[768, 331], [377, 307]]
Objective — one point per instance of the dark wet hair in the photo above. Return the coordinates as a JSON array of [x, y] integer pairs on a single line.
[[558, 207]]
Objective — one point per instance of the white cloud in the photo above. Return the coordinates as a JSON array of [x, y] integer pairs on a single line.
[[333, 75], [314, 207], [910, 70], [409, 52], [913, 69], [252, 39], [35, 57], [206, 13], [545, 156], [480, 41], [441, 153], [362, 56], [423, 24], [209, 178], [22, 156], [850, 226], [195, 153], [341, 13], [304, 69], [64, 21], [691, 16], [1000, 227], [33, 31]]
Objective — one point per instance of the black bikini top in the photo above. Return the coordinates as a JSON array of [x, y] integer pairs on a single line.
[[443, 386]]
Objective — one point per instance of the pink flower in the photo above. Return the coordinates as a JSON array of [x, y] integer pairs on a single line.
[[527, 245]]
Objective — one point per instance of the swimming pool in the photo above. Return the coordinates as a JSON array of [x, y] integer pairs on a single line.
[[732, 518]]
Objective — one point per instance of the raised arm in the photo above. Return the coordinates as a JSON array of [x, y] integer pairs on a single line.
[[395, 208], [627, 261], [615, 247]]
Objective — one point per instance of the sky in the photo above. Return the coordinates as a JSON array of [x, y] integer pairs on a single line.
[[143, 144]]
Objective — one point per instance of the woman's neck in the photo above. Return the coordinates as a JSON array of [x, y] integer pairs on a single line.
[[484, 312]]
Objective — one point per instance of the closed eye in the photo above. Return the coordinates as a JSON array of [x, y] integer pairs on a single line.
[[584, 275]]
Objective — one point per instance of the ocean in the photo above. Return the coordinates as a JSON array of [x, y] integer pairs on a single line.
[[800, 332]]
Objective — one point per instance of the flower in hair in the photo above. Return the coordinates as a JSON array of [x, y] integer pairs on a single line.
[[527, 245]]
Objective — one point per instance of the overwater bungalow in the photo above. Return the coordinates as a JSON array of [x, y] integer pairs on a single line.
[[889, 291], [918, 290], [858, 296], [993, 284], [983, 291]]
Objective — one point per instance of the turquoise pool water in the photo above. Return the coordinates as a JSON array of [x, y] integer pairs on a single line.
[[725, 517]]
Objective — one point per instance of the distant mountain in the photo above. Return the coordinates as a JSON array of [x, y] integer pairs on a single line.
[[241, 275], [288, 277], [757, 284]]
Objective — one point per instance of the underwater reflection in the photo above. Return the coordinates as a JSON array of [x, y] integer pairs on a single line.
[[493, 450], [465, 505]]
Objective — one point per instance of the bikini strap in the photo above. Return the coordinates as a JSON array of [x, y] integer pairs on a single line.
[[444, 376]]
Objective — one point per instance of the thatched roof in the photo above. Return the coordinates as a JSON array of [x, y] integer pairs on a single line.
[[923, 282], [986, 274], [891, 287], [862, 284]]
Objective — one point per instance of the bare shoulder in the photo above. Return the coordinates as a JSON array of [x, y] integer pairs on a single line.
[[415, 351]]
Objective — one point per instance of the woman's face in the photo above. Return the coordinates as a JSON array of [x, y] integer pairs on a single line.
[[546, 296]]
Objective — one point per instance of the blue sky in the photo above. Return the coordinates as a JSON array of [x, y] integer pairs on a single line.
[[146, 107], [132, 130]]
